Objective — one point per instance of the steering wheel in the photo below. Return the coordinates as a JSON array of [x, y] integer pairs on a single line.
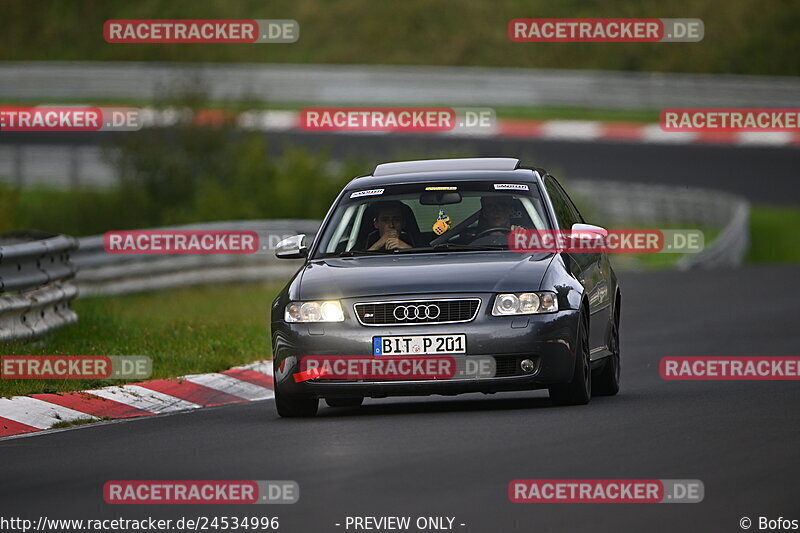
[[490, 230]]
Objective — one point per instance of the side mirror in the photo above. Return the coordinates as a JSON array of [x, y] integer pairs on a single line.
[[587, 231], [292, 248], [589, 228]]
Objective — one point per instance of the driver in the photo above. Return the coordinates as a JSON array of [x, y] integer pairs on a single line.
[[389, 221], [496, 212]]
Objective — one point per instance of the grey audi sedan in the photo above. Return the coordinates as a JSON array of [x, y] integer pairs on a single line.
[[412, 286]]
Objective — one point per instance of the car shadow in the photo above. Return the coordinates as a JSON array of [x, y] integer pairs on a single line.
[[435, 406]]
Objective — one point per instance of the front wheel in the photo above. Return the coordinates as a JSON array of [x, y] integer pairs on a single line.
[[607, 382], [294, 406], [579, 390]]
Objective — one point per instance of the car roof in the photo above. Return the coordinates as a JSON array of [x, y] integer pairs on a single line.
[[430, 165], [473, 169]]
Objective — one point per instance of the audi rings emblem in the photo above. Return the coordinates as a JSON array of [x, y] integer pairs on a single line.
[[417, 312]]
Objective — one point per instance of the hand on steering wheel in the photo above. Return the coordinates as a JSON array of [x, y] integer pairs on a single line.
[[491, 230]]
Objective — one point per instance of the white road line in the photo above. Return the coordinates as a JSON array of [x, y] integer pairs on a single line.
[[142, 398], [654, 134], [231, 385], [777, 138], [571, 129], [38, 413], [273, 120], [265, 367]]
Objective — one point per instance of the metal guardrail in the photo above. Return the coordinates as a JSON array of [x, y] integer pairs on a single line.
[[35, 287], [624, 203], [102, 273], [612, 202], [731, 245], [398, 85]]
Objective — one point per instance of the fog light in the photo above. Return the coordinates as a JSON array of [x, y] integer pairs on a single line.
[[527, 366]]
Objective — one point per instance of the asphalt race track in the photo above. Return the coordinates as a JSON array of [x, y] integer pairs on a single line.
[[443, 456], [762, 174]]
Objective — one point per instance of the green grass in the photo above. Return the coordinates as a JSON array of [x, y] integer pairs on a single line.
[[209, 329], [773, 239], [741, 36], [773, 235], [77, 422], [657, 261], [185, 331]]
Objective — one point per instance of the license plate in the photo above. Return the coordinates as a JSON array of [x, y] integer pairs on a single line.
[[419, 345]]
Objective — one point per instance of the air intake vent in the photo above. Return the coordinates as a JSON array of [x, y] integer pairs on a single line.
[[412, 312]]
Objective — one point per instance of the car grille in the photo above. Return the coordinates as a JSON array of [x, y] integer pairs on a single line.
[[411, 312]]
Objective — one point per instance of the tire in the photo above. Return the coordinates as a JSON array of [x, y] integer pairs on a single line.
[[344, 402], [295, 406], [607, 381], [579, 390]]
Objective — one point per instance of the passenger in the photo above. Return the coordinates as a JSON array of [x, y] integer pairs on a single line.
[[389, 221]]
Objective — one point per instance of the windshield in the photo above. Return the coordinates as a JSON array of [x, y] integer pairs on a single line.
[[423, 218]]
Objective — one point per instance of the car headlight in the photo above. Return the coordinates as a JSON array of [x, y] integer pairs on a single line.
[[326, 311], [525, 303]]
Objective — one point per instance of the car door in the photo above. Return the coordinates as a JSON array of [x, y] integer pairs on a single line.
[[590, 268]]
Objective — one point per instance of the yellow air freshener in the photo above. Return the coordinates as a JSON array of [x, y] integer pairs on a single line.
[[442, 223]]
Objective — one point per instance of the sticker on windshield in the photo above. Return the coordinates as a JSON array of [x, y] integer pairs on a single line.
[[438, 188], [368, 192], [510, 186]]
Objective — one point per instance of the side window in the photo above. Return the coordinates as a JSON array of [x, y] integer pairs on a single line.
[[570, 203], [565, 212]]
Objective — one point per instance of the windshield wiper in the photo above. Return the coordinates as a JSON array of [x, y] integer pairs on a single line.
[[355, 253], [476, 247], [447, 246]]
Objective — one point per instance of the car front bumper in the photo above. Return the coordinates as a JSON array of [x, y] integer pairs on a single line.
[[546, 339]]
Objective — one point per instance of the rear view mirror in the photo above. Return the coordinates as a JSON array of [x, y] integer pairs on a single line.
[[440, 197], [292, 248]]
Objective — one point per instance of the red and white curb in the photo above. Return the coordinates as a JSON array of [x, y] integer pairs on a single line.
[[38, 412], [583, 130], [503, 128], [556, 130]]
